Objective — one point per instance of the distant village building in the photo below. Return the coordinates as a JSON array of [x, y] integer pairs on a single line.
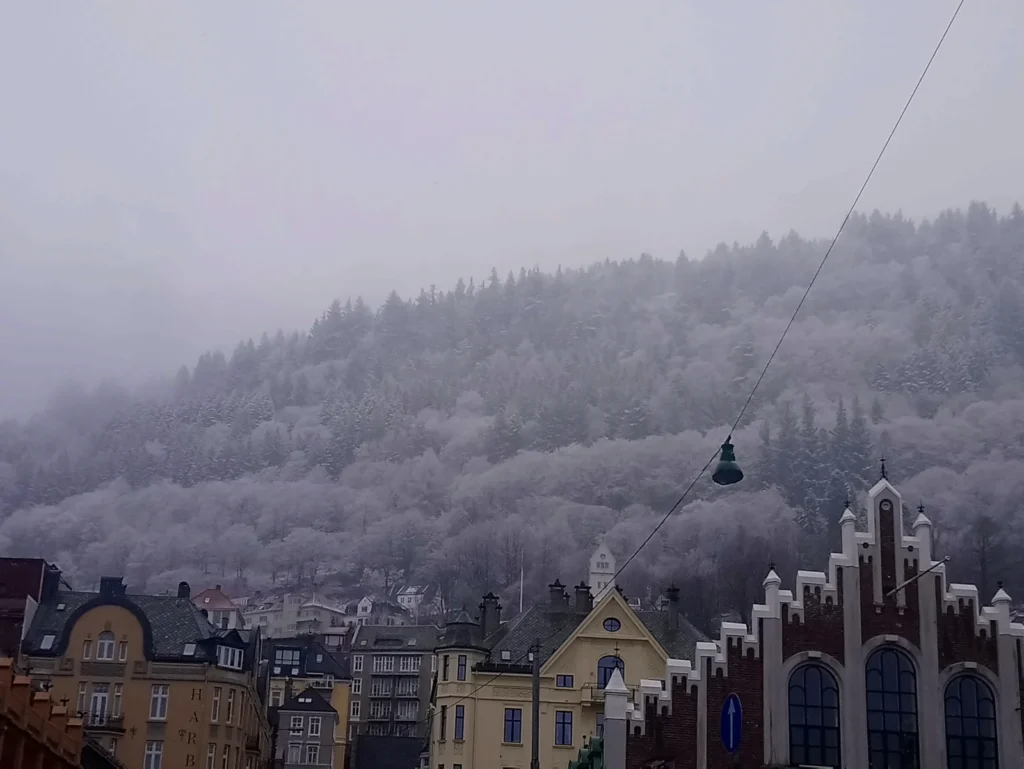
[[878, 662], [420, 601], [601, 577], [290, 614], [306, 724], [220, 609]]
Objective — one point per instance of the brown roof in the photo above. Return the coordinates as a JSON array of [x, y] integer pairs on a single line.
[[213, 598]]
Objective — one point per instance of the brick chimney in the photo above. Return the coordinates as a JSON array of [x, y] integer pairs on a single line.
[[584, 600], [490, 614], [672, 594]]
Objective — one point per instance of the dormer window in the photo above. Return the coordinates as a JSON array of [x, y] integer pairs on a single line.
[[229, 658]]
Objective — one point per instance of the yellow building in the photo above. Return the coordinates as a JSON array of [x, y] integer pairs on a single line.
[[155, 683], [482, 720], [303, 662]]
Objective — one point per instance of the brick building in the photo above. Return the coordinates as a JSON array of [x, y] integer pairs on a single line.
[[875, 664]]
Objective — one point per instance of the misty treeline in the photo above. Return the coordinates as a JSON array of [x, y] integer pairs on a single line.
[[455, 435]]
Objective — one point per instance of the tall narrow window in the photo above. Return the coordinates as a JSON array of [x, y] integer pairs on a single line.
[[460, 721], [105, 647], [115, 707], [813, 717], [444, 723], [158, 702], [81, 699], [86, 649], [154, 756], [215, 705], [231, 706], [970, 724], [444, 668], [513, 726], [563, 727], [606, 666], [211, 755], [892, 710], [461, 675], [122, 651]]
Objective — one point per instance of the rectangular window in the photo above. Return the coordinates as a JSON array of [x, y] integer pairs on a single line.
[[380, 709], [513, 726], [215, 706], [444, 723], [225, 756], [357, 685], [86, 649], [357, 663], [354, 710], [408, 687], [312, 754], [158, 697], [295, 727], [99, 703], [231, 707], [275, 698], [563, 682], [383, 664], [460, 721], [211, 755], [563, 727], [122, 651], [286, 658], [229, 658], [314, 727], [462, 667], [115, 707], [81, 698], [380, 687], [409, 664], [294, 753], [154, 756], [444, 668]]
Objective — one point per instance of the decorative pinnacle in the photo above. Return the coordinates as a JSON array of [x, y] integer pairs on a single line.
[[885, 475], [920, 507]]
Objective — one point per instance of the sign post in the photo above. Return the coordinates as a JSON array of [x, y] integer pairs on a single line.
[[732, 723]]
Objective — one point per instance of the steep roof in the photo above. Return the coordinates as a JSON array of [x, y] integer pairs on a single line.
[[214, 599], [315, 659], [554, 628], [308, 700], [168, 623]]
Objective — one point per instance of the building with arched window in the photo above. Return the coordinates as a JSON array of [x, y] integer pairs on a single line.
[[878, 662]]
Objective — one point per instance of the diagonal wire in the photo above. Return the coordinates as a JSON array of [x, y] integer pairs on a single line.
[[771, 358]]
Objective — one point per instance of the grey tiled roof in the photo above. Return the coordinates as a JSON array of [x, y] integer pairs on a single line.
[[553, 629], [423, 637], [174, 622]]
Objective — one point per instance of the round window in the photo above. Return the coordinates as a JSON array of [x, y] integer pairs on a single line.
[[611, 624]]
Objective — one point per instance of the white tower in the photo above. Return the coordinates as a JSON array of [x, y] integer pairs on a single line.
[[602, 571]]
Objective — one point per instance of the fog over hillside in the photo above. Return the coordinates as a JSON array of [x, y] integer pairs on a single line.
[[446, 435]]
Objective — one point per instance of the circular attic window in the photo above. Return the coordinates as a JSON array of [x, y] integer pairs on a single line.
[[611, 624]]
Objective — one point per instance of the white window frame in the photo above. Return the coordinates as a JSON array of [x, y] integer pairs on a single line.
[[105, 647], [211, 755], [354, 710], [122, 651], [215, 706], [312, 753], [357, 663], [229, 717], [159, 695], [87, 649], [82, 698], [115, 705], [154, 756], [294, 752], [229, 657], [314, 721], [357, 686], [409, 664], [295, 725]]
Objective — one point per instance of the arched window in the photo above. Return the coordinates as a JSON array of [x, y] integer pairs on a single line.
[[105, 646], [606, 666], [970, 724], [892, 710], [814, 717]]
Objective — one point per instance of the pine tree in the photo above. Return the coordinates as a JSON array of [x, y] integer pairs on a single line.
[[859, 461]]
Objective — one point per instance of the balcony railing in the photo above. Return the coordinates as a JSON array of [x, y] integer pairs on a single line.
[[101, 722]]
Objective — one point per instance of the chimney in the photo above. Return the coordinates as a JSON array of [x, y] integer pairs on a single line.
[[287, 690], [184, 591], [111, 587], [584, 600], [51, 584], [490, 614], [673, 607], [556, 596], [217, 588]]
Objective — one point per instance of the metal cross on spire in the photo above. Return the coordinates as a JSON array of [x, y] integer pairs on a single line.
[[885, 475]]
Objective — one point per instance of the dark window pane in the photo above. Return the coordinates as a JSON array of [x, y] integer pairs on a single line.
[[813, 716]]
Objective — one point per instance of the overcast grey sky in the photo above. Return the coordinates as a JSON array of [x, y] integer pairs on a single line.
[[177, 176]]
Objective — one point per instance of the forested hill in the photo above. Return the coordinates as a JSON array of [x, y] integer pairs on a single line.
[[440, 436]]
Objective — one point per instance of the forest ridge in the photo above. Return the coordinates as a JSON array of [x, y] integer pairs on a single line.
[[442, 437]]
